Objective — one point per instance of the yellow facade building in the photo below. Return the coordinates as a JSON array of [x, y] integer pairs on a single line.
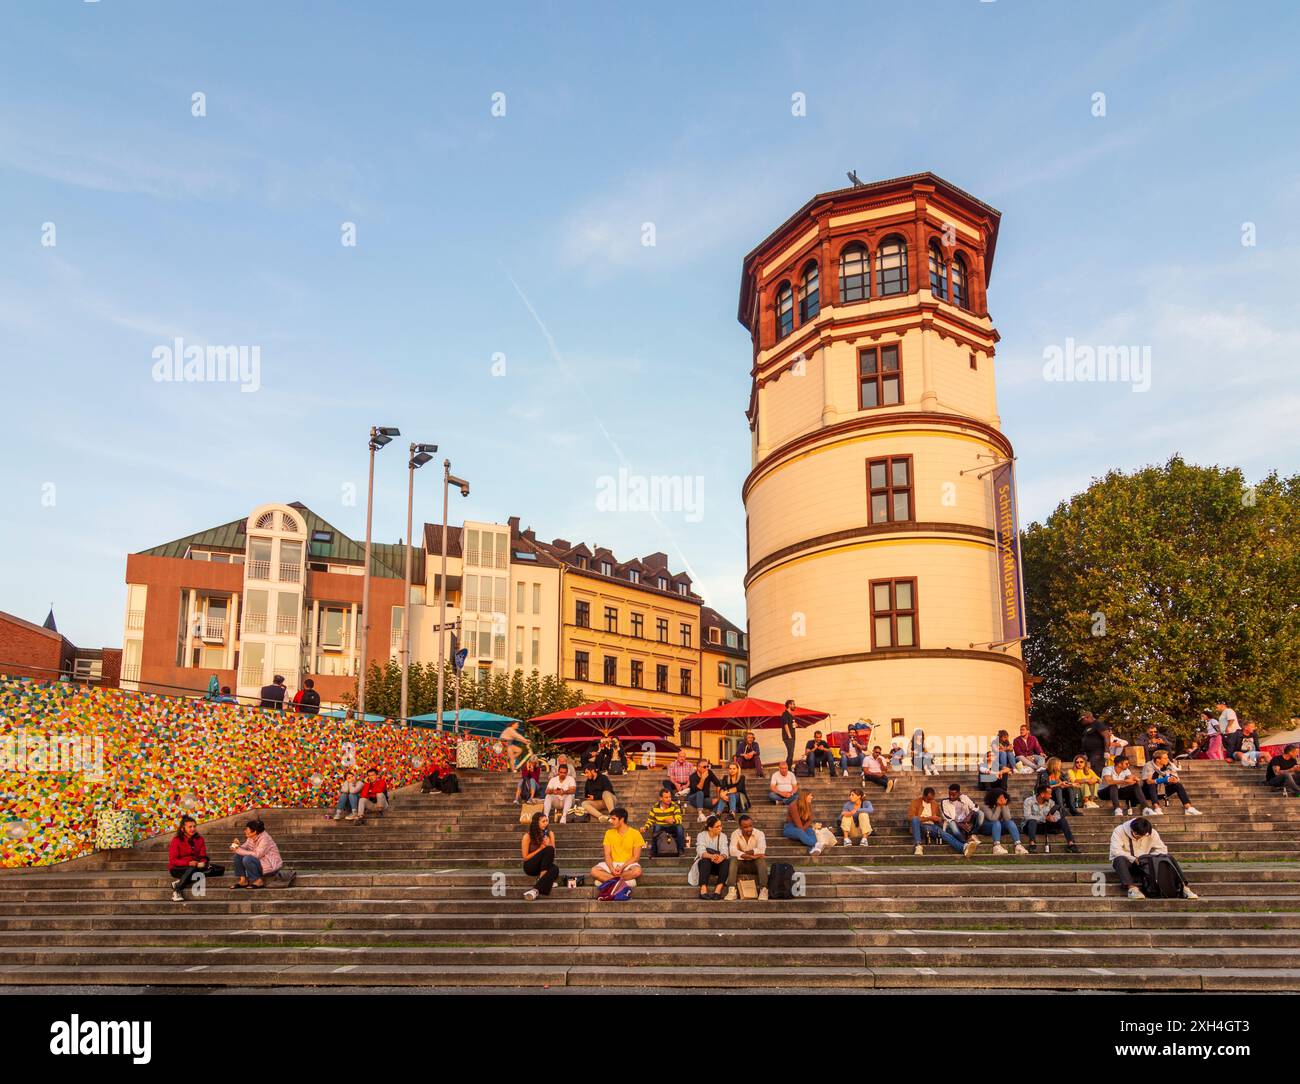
[[873, 584], [629, 631]]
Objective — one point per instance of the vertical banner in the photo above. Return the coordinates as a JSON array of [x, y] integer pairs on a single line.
[[1011, 594]]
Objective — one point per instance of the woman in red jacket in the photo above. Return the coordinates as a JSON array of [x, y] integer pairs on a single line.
[[187, 857]]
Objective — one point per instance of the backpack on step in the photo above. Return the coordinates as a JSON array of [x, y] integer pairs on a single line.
[[614, 891], [780, 881], [1162, 879], [664, 845]]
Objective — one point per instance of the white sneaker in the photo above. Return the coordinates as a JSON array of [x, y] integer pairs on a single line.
[[1119, 812], [1188, 894], [1135, 893], [703, 818], [731, 894], [817, 849], [999, 849], [762, 894], [1020, 849], [846, 773], [862, 842], [531, 895], [919, 849], [969, 849], [562, 820], [177, 898], [1191, 811]]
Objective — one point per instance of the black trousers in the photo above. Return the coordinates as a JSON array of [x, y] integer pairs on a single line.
[[1032, 828], [186, 875], [1153, 792], [707, 870], [789, 752], [542, 866], [1132, 795]]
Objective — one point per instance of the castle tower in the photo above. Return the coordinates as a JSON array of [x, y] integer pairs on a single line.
[[875, 587]]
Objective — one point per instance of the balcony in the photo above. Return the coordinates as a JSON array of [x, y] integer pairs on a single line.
[[333, 666], [286, 624], [213, 631], [290, 573], [135, 619], [395, 639], [254, 622], [251, 675], [259, 570], [130, 671]]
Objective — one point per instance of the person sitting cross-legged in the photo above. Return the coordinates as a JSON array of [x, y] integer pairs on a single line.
[[1043, 814], [622, 846], [926, 818], [560, 790], [855, 818], [1242, 746], [1129, 843], [1160, 775], [748, 848], [712, 860], [783, 787], [679, 776], [1118, 781], [666, 819], [961, 816], [998, 819]]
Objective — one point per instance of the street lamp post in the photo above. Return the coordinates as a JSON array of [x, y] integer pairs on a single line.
[[448, 479], [420, 455], [379, 436]]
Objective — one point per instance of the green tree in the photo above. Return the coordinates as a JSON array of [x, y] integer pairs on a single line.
[[1152, 594]]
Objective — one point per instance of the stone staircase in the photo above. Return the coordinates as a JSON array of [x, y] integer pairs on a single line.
[[431, 896]]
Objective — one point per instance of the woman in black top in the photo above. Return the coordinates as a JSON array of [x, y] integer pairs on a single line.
[[538, 850], [702, 784], [733, 799]]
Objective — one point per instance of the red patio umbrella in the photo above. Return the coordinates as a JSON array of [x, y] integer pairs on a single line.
[[749, 714], [588, 722]]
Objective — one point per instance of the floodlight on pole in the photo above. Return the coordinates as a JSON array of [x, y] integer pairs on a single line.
[[419, 456], [379, 436], [448, 479]]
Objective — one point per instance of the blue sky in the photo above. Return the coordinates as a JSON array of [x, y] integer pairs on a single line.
[[520, 235]]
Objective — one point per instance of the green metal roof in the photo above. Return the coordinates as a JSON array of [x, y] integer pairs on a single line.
[[386, 559]]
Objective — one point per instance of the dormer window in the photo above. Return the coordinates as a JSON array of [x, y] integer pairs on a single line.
[[606, 568], [662, 583], [633, 576]]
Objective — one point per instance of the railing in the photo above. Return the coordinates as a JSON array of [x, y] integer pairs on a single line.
[[290, 573], [396, 638], [333, 666], [259, 570], [213, 630], [254, 622], [286, 624], [130, 671], [135, 619], [251, 675]]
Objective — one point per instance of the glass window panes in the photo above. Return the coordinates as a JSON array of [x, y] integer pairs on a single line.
[[880, 597], [891, 268], [855, 280], [882, 632], [905, 637]]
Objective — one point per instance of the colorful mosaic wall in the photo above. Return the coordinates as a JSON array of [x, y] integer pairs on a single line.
[[67, 753]]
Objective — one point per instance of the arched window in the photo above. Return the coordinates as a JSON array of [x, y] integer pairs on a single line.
[[855, 273], [938, 273], [810, 301], [784, 310], [891, 267], [959, 296]]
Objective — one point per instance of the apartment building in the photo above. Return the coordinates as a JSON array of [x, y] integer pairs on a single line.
[[629, 630]]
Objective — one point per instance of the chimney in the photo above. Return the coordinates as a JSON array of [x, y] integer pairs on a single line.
[[514, 524], [530, 534]]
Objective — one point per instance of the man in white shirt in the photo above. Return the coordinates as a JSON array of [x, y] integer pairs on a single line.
[[784, 787], [1130, 842], [875, 769], [1160, 773], [561, 787], [748, 848], [961, 816], [1118, 781]]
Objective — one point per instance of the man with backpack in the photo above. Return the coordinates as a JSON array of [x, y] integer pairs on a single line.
[[622, 846], [306, 701], [1137, 853], [665, 820]]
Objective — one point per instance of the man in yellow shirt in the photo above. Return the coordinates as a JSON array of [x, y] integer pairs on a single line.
[[622, 851]]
